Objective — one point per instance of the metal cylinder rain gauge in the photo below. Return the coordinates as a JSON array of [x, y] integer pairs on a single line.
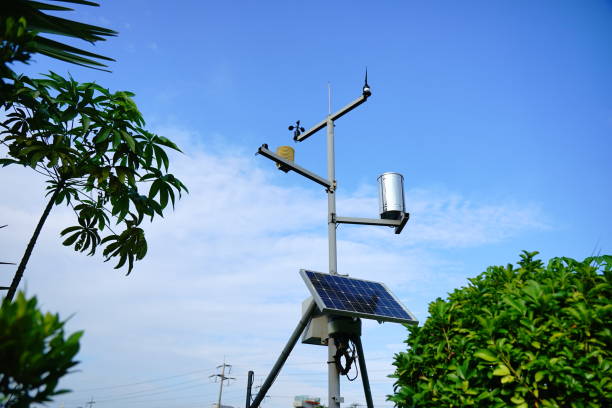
[[391, 196]]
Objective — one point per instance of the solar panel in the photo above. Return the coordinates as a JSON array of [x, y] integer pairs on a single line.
[[342, 295]]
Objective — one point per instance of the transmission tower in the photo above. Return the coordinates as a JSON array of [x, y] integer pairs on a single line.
[[222, 378], [90, 402]]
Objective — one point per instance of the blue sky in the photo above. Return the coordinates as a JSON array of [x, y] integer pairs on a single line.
[[499, 115]]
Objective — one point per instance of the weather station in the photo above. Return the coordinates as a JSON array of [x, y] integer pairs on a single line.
[[332, 315]]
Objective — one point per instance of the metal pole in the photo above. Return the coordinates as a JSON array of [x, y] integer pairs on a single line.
[[221, 384], [283, 356], [249, 387], [333, 377], [364, 372], [331, 198]]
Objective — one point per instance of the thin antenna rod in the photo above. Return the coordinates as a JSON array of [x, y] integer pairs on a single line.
[[329, 98], [366, 88]]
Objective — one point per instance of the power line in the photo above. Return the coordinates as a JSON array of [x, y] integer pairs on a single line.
[[181, 386], [162, 389], [166, 388], [185, 374], [199, 396], [148, 394], [151, 391], [144, 381]]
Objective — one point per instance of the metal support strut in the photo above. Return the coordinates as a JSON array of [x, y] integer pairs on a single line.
[[364, 372], [249, 387], [283, 356]]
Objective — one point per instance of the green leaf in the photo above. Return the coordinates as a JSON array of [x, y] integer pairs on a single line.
[[71, 239], [103, 134], [129, 140], [486, 355], [129, 246], [161, 157], [501, 370], [155, 188]]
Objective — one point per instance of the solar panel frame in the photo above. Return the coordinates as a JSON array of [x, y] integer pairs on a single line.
[[336, 306]]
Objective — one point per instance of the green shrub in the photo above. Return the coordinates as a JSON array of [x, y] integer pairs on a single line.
[[532, 336], [34, 353]]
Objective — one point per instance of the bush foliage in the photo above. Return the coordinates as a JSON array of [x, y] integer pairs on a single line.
[[34, 353], [532, 336]]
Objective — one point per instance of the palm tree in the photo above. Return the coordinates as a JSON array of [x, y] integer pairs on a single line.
[[23, 21]]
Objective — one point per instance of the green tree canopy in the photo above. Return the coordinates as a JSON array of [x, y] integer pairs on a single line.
[[35, 353], [89, 142], [91, 146], [532, 336]]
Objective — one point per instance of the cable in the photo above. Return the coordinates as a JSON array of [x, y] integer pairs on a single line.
[[345, 347], [144, 381], [199, 395], [356, 365], [176, 386], [146, 394], [157, 390]]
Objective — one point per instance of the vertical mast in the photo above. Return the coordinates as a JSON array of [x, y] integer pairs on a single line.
[[333, 377], [331, 196]]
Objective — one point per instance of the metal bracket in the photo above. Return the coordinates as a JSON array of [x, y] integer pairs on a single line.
[[333, 187], [333, 117], [398, 224], [403, 221], [287, 165]]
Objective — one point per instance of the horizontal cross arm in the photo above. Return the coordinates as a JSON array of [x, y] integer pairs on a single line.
[[287, 165], [332, 117], [398, 224]]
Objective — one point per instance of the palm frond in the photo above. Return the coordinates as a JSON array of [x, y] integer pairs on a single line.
[[38, 21]]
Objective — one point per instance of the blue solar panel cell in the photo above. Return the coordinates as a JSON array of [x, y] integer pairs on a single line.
[[355, 297]]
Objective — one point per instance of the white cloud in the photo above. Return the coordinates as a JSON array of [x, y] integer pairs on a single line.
[[221, 278], [446, 220]]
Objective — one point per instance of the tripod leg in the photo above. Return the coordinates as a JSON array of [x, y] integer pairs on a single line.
[[364, 372], [283, 356]]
